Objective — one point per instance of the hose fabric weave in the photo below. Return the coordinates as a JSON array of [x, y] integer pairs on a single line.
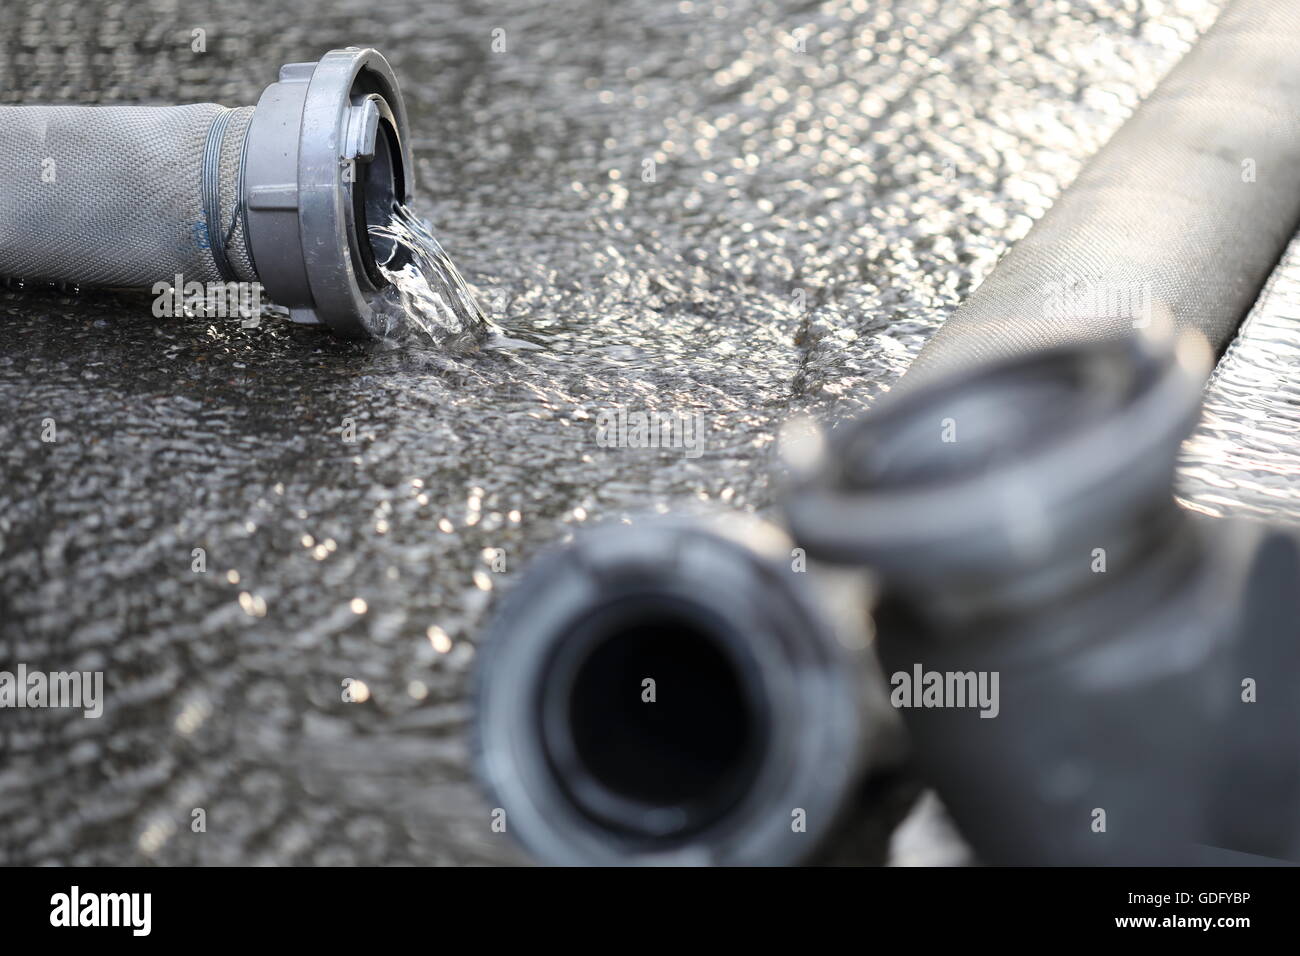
[[112, 196]]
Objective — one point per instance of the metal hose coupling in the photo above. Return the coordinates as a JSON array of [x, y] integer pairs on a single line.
[[1020, 524], [282, 194], [677, 693]]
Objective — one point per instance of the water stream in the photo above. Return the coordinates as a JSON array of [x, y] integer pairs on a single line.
[[427, 299]]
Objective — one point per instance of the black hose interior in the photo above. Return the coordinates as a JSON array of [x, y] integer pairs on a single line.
[[376, 194], [694, 748]]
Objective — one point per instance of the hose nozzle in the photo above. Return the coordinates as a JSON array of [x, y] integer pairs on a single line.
[[670, 693], [1020, 523], [327, 156]]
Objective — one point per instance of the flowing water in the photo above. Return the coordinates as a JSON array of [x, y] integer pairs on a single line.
[[427, 302]]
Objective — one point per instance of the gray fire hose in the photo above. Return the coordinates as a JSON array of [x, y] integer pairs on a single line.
[[282, 193], [1146, 658], [1181, 215]]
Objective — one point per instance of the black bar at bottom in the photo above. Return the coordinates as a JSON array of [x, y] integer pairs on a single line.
[[344, 909]]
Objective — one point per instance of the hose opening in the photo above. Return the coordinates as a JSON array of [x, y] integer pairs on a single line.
[[1003, 413], [670, 693], [376, 195], [650, 719]]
